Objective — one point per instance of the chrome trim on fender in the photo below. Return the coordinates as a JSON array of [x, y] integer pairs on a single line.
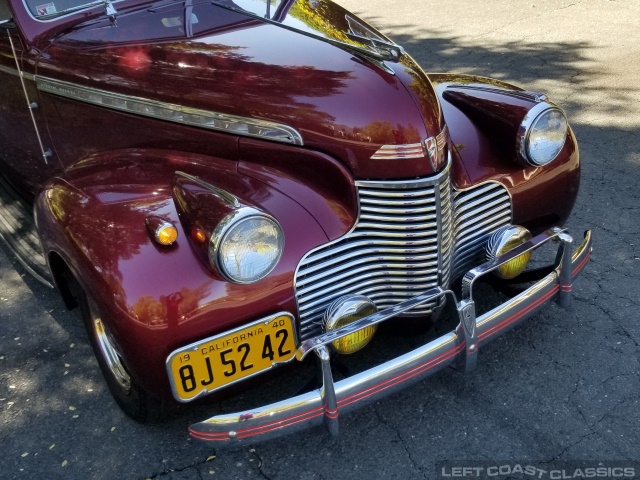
[[399, 152], [221, 122], [223, 194], [524, 94], [458, 347], [412, 150], [10, 71]]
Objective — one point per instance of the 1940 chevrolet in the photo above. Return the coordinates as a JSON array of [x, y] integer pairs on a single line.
[[228, 186]]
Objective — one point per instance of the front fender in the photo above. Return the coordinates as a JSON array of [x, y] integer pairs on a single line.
[[484, 149], [154, 298]]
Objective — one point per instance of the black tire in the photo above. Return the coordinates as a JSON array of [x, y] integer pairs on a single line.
[[127, 391]]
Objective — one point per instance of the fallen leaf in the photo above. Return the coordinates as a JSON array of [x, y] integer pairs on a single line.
[[72, 345], [25, 454], [52, 445], [75, 416], [210, 458], [72, 408], [64, 464], [113, 428]]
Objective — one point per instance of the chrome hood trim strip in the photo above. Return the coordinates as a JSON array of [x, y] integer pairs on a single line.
[[221, 122]]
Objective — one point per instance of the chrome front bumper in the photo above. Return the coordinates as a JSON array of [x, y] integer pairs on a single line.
[[458, 348]]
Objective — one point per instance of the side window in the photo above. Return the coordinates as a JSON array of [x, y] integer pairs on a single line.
[[5, 13]]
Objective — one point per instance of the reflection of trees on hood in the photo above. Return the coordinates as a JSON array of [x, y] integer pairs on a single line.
[[254, 88], [381, 132], [227, 80], [324, 17]]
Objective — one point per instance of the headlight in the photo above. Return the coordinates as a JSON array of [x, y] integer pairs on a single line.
[[246, 246], [542, 134], [505, 239]]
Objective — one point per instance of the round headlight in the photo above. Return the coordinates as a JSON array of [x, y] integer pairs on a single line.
[[247, 247], [542, 134], [505, 239]]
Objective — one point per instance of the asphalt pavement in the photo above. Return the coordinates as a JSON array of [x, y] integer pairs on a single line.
[[563, 386]]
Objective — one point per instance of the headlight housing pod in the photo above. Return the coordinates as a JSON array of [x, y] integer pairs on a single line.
[[505, 239], [542, 134], [246, 246], [241, 244], [507, 114]]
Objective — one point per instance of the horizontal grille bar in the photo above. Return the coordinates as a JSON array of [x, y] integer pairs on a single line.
[[479, 212]]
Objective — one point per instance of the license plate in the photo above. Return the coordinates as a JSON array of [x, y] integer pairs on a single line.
[[221, 360]]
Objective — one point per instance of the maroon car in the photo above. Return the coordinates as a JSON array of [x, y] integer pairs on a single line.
[[229, 186]]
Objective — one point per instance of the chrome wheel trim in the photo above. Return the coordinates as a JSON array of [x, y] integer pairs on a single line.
[[109, 353]]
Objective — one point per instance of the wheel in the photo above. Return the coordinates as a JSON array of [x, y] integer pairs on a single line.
[[128, 393]]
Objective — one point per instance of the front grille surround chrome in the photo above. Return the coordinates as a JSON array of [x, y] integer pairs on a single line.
[[410, 235], [392, 253]]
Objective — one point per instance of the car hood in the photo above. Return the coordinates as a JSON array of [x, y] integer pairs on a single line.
[[309, 64]]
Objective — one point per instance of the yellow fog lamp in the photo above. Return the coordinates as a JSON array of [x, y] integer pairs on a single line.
[[503, 240], [344, 311]]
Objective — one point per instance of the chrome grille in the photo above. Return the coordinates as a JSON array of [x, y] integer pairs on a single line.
[[479, 211], [391, 254]]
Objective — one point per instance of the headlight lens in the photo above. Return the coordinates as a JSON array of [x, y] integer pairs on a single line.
[[542, 135], [506, 239], [248, 249]]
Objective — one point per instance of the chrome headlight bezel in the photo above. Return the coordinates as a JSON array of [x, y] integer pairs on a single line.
[[222, 234], [527, 126]]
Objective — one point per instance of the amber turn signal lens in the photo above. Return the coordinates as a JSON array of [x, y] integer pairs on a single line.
[[163, 232], [198, 235], [167, 234], [505, 240]]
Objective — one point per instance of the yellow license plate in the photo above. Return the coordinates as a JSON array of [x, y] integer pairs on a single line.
[[218, 361]]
